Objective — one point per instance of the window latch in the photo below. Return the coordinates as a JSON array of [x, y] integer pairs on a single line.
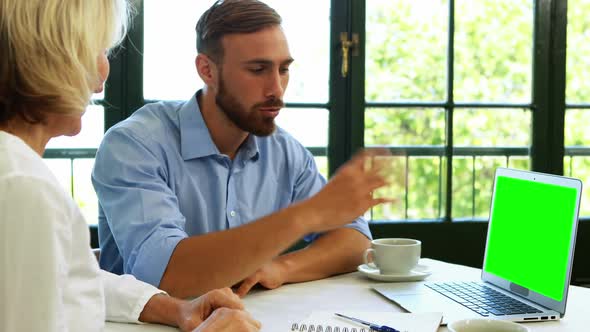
[[346, 46]]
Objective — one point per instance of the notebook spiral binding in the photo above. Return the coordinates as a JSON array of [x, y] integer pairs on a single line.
[[326, 328]]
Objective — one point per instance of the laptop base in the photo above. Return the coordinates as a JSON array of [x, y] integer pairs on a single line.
[[417, 297]]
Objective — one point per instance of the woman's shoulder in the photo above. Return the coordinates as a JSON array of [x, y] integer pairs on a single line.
[[29, 188], [19, 158]]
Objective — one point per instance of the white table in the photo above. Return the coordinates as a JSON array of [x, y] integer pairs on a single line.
[[278, 308]]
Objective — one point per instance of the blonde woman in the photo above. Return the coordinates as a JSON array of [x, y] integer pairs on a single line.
[[52, 57]]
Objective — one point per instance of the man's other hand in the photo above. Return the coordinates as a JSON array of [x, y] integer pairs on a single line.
[[270, 275]]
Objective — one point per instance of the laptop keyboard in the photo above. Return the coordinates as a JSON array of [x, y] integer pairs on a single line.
[[482, 299]]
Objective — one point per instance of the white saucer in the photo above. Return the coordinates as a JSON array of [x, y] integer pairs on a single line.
[[420, 272]]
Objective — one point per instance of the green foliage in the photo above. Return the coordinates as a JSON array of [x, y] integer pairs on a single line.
[[493, 50], [406, 50], [578, 52]]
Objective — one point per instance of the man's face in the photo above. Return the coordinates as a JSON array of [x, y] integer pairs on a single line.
[[253, 76]]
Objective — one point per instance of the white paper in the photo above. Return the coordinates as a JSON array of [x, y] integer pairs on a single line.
[[404, 322]]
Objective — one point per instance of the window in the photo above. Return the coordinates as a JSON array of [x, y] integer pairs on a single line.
[[71, 159], [453, 88], [448, 85], [577, 116]]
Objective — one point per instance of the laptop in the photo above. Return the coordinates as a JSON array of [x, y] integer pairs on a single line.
[[528, 257]]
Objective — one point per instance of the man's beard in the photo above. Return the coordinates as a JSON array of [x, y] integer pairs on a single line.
[[248, 120]]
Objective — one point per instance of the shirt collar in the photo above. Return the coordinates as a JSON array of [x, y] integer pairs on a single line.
[[195, 139], [250, 148]]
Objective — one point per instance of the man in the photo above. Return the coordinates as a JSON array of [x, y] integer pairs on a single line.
[[184, 187]]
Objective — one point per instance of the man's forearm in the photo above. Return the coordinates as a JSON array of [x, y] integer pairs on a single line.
[[221, 259], [337, 251]]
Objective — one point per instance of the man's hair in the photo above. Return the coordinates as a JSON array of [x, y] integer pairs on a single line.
[[231, 16], [49, 51]]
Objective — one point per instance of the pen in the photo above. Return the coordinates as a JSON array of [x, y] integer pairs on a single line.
[[373, 327]]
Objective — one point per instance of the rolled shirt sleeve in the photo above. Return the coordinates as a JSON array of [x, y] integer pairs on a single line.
[[140, 208]]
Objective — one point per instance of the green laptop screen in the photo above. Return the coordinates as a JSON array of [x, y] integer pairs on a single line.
[[530, 234]]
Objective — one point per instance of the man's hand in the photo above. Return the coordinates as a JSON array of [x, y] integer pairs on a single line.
[[270, 275], [349, 193]]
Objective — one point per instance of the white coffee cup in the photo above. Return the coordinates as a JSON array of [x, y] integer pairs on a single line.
[[486, 325], [394, 255]]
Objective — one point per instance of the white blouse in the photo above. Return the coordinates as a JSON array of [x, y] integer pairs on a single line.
[[49, 277]]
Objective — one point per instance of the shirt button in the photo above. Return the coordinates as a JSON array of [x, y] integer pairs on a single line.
[[233, 213]]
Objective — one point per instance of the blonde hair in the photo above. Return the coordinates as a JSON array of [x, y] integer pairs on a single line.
[[49, 51]]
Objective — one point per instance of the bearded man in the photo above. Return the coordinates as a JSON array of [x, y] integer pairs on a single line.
[[208, 193]]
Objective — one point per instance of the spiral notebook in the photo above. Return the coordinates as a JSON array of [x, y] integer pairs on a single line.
[[326, 321]]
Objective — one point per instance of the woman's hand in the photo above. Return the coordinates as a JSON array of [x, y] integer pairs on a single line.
[[217, 310], [229, 320]]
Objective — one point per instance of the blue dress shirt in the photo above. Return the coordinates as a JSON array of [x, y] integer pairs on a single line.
[[160, 178]]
